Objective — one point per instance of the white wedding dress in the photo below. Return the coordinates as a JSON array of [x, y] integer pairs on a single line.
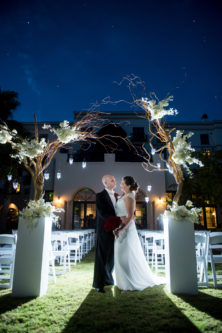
[[131, 269]]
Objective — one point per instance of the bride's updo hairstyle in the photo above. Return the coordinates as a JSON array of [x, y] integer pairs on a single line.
[[129, 181]]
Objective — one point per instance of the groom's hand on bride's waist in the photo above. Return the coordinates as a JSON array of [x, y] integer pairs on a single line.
[[124, 219]]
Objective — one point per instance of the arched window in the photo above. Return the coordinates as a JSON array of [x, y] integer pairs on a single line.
[[84, 209]]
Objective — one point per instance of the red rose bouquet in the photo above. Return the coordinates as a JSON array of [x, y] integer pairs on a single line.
[[111, 223]]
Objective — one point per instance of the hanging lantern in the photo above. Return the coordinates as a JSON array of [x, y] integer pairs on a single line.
[[83, 164], [70, 160], [147, 199], [15, 185], [9, 177], [149, 188], [170, 169], [46, 175], [153, 151], [59, 175]]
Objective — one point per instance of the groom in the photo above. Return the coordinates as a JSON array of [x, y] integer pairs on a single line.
[[104, 258]]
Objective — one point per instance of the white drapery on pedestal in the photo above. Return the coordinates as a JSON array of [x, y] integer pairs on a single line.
[[32, 258]]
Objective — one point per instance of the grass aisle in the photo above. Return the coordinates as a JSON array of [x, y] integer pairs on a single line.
[[72, 306]]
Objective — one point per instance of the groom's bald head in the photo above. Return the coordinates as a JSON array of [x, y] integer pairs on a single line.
[[109, 182]]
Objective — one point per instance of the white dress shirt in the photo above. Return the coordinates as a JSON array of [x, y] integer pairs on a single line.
[[112, 196]]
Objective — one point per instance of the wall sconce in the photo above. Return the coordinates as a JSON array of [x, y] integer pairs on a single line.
[[18, 188], [160, 200], [58, 201], [149, 188]]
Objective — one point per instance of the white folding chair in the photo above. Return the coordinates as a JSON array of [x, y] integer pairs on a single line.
[[148, 245], [52, 264], [158, 255], [215, 255], [75, 249], [7, 259], [202, 245], [61, 251]]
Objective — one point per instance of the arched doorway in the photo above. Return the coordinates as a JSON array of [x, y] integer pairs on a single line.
[[84, 209], [141, 210]]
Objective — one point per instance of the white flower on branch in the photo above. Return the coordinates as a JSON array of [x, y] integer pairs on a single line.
[[28, 148], [182, 154], [157, 110], [5, 135], [67, 133], [45, 126]]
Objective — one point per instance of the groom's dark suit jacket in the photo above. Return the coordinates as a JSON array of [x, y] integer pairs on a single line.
[[104, 257]]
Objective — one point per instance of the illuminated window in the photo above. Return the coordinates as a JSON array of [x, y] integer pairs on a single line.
[[211, 217], [206, 152], [208, 217]]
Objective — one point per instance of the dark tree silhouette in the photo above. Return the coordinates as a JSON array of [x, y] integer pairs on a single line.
[[8, 103]]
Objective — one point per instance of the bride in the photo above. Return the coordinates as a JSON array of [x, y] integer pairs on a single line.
[[131, 269]]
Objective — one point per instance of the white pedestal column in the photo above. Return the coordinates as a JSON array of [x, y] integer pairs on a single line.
[[181, 271], [32, 259]]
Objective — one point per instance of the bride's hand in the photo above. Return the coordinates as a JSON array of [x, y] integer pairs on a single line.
[[116, 233]]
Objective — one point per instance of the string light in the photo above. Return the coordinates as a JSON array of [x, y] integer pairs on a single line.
[[9, 177], [46, 175], [59, 175], [15, 185], [153, 151], [70, 160], [149, 188], [158, 165], [170, 170]]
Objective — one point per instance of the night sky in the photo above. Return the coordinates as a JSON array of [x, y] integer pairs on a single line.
[[62, 55]]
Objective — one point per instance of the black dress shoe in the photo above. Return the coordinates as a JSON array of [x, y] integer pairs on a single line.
[[100, 290]]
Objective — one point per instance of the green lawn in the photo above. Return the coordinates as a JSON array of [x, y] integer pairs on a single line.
[[73, 306]]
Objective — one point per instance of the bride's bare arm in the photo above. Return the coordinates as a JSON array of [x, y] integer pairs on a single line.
[[129, 202]]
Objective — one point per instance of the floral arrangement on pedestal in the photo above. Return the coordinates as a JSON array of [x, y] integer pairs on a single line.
[[178, 149], [36, 155]]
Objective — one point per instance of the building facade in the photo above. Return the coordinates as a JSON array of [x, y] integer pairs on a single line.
[[74, 176]]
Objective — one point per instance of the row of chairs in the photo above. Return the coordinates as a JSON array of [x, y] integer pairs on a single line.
[[208, 251], [67, 248], [7, 259]]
